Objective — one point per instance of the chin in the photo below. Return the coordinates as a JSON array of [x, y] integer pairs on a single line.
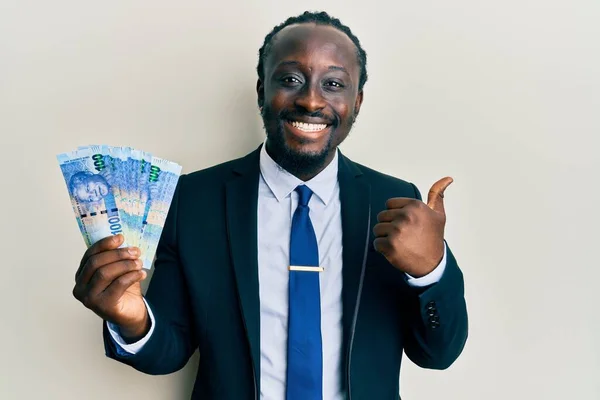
[[306, 149], [298, 157]]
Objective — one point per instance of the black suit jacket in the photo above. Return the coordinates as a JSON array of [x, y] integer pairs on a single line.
[[204, 290]]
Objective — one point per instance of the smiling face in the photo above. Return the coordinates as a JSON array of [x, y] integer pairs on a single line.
[[309, 96]]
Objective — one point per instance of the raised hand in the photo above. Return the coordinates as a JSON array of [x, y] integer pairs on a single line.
[[410, 233]]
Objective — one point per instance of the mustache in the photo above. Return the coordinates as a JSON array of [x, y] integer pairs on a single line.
[[333, 120]]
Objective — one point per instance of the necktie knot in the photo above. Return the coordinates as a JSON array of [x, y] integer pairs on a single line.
[[304, 194]]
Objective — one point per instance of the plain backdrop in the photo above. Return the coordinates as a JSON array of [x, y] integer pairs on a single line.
[[503, 96]]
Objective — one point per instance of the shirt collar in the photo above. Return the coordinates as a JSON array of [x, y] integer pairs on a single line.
[[282, 183]]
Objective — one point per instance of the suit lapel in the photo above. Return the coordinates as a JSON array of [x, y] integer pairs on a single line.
[[355, 199], [241, 208]]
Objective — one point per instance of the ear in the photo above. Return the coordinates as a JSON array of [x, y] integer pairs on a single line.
[[260, 92], [358, 103]]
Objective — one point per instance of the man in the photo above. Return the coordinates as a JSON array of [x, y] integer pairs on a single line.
[[297, 273]]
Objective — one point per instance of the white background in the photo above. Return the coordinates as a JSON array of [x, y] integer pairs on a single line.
[[504, 96]]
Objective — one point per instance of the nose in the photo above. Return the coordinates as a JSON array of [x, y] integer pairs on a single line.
[[310, 99]]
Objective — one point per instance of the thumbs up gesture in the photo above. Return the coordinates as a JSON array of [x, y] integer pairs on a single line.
[[410, 233]]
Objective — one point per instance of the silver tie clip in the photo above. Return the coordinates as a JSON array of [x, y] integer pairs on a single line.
[[305, 268]]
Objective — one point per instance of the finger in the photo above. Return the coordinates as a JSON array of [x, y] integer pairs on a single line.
[[435, 197], [100, 260], [399, 202], [106, 275], [392, 215], [118, 287], [107, 243], [383, 229], [382, 245]]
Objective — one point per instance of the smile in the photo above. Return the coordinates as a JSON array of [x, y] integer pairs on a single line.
[[306, 127]]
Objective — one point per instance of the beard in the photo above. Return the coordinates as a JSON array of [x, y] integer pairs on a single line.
[[295, 162]]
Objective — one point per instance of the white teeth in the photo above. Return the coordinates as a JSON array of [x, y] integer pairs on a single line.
[[303, 126]]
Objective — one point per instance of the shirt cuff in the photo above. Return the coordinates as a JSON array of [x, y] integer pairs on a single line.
[[125, 349], [432, 277]]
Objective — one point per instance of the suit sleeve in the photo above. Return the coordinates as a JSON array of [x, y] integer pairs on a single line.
[[172, 341], [435, 318]]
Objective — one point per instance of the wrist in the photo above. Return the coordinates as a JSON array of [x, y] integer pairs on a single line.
[[131, 333], [428, 267]]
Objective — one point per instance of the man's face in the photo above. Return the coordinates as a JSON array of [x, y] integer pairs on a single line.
[[91, 190], [309, 96]]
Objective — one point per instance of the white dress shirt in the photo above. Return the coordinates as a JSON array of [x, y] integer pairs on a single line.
[[277, 202]]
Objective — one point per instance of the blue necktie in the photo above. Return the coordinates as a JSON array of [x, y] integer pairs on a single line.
[[304, 350]]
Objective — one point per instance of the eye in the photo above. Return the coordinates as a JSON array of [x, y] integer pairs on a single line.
[[334, 84], [290, 80]]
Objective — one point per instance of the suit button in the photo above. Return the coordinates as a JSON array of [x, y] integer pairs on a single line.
[[434, 318], [431, 309]]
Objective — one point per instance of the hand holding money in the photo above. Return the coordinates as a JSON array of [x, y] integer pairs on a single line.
[[121, 197], [108, 283]]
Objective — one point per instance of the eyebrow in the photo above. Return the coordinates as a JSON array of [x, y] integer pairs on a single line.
[[338, 68], [296, 63]]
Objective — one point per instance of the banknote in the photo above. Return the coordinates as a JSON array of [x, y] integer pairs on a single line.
[[91, 194], [162, 182], [140, 166], [120, 190]]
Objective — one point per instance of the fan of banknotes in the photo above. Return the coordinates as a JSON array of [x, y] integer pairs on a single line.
[[120, 190]]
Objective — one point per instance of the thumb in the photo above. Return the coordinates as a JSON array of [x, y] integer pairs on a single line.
[[435, 197]]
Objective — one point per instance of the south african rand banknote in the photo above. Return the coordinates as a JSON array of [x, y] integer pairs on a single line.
[[91, 193], [120, 190], [163, 179]]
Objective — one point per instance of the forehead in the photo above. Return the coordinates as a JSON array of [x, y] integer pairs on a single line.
[[314, 46]]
